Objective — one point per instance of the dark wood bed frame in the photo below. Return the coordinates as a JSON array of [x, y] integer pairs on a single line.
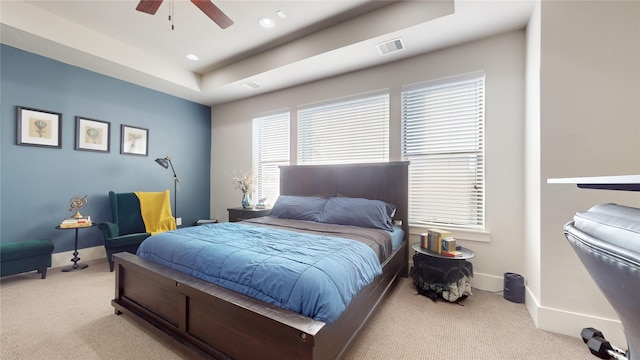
[[213, 322]]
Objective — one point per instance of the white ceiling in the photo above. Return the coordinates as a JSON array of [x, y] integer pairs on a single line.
[[317, 39]]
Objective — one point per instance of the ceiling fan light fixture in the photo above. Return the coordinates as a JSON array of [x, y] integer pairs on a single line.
[[266, 22], [192, 57], [206, 6]]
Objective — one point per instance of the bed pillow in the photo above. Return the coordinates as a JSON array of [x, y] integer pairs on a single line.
[[298, 207], [357, 212], [391, 208]]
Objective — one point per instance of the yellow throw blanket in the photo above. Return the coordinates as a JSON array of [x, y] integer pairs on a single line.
[[156, 211]]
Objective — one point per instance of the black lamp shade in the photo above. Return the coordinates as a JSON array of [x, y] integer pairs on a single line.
[[163, 162]]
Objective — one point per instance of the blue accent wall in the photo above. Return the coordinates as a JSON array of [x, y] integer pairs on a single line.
[[37, 183]]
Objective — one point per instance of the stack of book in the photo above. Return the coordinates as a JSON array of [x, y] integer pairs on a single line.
[[440, 242], [75, 223]]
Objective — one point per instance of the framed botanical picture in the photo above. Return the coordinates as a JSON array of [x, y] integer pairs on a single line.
[[134, 140], [38, 127], [92, 135]]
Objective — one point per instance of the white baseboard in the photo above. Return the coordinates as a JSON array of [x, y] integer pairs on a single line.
[[555, 320], [487, 282], [570, 323], [64, 258]]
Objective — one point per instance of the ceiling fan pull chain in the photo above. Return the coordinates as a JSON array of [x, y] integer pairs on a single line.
[[206, 6]]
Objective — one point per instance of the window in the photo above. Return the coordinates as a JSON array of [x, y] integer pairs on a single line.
[[345, 131], [443, 138], [270, 150]]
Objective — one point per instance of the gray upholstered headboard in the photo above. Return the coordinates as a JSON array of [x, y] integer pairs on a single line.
[[387, 181]]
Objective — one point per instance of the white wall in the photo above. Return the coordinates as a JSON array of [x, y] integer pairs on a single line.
[[532, 259], [582, 119], [502, 59], [589, 126]]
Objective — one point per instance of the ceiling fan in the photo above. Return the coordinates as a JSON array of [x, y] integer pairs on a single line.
[[207, 7]]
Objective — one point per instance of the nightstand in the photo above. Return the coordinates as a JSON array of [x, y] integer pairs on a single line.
[[239, 213], [438, 276]]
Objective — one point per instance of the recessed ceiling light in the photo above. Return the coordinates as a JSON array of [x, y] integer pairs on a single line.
[[266, 22], [192, 57]]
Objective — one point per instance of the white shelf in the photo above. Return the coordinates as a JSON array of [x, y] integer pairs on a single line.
[[619, 182]]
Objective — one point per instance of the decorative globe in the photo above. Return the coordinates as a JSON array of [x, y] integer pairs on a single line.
[[78, 203]]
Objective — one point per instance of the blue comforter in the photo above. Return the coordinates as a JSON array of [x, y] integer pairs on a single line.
[[314, 275]]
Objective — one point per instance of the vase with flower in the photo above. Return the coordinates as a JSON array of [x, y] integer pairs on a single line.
[[244, 182]]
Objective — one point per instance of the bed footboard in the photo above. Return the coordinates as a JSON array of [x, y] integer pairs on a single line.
[[213, 322]]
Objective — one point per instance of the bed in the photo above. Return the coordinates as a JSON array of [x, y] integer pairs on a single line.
[[214, 322]]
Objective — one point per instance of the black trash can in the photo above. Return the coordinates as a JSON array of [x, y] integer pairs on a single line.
[[513, 287]]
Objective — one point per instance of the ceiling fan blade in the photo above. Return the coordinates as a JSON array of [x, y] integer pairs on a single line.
[[149, 6], [214, 13]]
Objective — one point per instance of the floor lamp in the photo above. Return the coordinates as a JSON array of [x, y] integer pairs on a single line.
[[165, 163]]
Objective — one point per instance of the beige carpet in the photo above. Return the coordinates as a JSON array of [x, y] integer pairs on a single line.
[[69, 315]]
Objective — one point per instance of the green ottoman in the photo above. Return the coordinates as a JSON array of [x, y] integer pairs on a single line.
[[22, 256]]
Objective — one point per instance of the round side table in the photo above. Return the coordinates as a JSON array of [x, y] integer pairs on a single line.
[[466, 253], [436, 275], [75, 259]]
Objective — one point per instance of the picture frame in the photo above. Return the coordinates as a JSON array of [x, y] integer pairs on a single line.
[[134, 140], [36, 127], [92, 135]]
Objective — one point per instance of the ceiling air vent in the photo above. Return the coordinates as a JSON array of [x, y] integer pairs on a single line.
[[390, 46], [251, 85]]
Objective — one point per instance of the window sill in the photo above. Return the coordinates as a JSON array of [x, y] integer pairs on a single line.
[[460, 234]]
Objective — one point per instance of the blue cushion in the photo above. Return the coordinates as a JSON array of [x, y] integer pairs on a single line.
[[358, 212], [298, 207]]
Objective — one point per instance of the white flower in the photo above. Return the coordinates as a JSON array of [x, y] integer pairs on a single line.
[[243, 180]]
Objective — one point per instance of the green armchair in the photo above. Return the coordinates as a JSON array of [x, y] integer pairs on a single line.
[[127, 230]]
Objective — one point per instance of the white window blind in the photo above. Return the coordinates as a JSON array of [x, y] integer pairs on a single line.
[[443, 138], [345, 131], [270, 150]]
